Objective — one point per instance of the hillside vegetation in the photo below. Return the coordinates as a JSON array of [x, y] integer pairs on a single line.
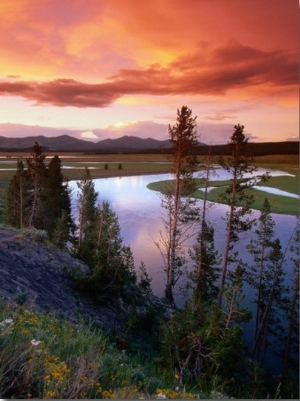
[[56, 343], [78, 319]]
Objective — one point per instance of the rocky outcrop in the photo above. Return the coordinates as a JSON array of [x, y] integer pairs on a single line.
[[35, 273]]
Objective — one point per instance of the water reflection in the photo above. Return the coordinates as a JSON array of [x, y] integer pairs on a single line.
[[139, 213], [140, 216]]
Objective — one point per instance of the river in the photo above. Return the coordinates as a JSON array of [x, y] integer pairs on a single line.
[[140, 215]]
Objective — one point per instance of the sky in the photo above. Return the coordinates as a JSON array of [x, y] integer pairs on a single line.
[[102, 69]]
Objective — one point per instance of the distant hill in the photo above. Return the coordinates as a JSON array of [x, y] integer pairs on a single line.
[[63, 142], [132, 144], [257, 149], [70, 144]]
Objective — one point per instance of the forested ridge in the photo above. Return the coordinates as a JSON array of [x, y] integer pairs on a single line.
[[130, 144], [197, 350]]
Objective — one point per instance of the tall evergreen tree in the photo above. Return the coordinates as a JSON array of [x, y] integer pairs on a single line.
[[57, 199], [17, 197], [37, 173], [87, 209], [207, 265], [266, 277], [113, 264], [207, 271], [292, 334], [203, 342], [237, 196], [99, 244], [62, 231], [37, 196], [180, 210]]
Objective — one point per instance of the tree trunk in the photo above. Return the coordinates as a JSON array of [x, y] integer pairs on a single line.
[[226, 253], [257, 311], [34, 200], [21, 208], [292, 319], [173, 245]]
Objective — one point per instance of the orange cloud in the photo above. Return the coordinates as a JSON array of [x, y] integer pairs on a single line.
[[220, 70], [82, 39]]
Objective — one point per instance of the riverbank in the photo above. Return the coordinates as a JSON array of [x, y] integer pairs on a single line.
[[124, 165], [282, 190]]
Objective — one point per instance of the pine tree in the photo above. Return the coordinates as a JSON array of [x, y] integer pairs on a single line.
[[61, 231], [207, 265], [99, 244], [180, 210], [87, 197], [292, 333], [37, 196], [203, 342], [266, 277], [37, 173], [57, 199], [237, 196], [113, 264], [207, 260], [17, 196]]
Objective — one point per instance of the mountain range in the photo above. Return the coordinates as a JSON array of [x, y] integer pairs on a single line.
[[132, 144], [71, 144]]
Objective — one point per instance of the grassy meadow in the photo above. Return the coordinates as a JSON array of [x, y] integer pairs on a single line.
[[117, 165]]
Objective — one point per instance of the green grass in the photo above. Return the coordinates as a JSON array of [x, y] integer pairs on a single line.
[[43, 357], [279, 204], [285, 183], [140, 164]]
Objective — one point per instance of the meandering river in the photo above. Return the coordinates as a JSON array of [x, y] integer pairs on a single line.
[[140, 216]]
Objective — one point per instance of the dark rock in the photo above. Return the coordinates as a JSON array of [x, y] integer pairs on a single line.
[[37, 274]]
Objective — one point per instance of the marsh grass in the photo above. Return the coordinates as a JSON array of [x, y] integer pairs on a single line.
[[286, 183], [279, 204], [73, 166], [142, 164]]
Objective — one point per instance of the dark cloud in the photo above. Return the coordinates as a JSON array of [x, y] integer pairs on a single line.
[[62, 92], [206, 72]]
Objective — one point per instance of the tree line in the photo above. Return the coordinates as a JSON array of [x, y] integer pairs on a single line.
[[38, 197], [203, 341], [205, 338]]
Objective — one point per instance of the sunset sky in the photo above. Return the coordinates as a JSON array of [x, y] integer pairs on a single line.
[[105, 68]]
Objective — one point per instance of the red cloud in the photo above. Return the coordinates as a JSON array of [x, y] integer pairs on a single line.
[[62, 92], [202, 73]]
